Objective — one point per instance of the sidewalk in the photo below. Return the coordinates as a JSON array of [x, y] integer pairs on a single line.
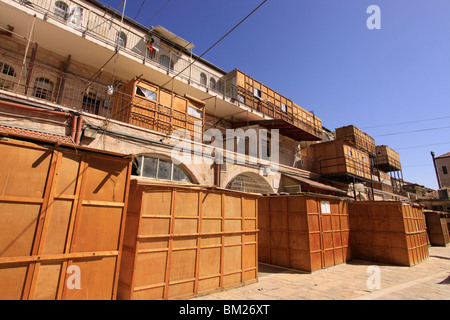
[[429, 280]]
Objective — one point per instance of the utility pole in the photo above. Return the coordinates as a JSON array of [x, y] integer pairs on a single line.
[[436, 169]]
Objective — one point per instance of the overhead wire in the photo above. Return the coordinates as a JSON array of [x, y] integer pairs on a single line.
[[412, 131], [139, 11], [157, 12], [217, 42], [407, 122]]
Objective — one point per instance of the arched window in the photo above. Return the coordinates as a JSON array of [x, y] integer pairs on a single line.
[[203, 79], [250, 182], [61, 10], [212, 83], [43, 88], [7, 73], [121, 39], [166, 62], [159, 169]]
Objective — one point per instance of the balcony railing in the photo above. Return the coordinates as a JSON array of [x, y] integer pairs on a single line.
[[110, 30]]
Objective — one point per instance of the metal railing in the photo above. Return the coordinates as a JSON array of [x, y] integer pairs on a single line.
[[109, 29]]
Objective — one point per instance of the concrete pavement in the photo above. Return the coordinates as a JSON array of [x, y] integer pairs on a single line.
[[355, 280]]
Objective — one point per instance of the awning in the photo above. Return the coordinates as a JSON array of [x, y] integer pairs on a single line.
[[315, 184]]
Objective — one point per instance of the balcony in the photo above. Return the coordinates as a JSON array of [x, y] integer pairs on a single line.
[[102, 35], [387, 159]]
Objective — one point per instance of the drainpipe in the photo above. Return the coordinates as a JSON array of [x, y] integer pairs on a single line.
[[21, 106], [436, 169], [74, 127], [30, 68], [216, 166], [78, 130]]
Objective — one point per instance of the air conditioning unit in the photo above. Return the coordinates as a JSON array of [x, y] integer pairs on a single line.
[[292, 189]]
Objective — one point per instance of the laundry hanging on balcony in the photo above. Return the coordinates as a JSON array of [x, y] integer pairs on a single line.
[[150, 44]]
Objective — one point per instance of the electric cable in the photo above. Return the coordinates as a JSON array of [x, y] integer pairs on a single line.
[[407, 122], [217, 42], [139, 11]]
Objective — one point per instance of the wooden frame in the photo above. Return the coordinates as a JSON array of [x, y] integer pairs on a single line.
[[185, 241], [338, 158], [437, 228], [165, 113], [306, 232], [271, 103], [392, 232], [56, 204], [359, 138]]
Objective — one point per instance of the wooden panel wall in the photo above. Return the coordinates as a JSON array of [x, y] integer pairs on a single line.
[[166, 113], [336, 158], [304, 232], [270, 103], [61, 216], [437, 228], [388, 232], [361, 139], [181, 242], [388, 159]]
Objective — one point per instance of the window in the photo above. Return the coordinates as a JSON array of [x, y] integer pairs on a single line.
[[7, 69], [121, 39], [146, 93], [364, 159], [212, 83], [7, 75], [444, 170], [257, 93], [241, 98], [166, 62], [195, 112], [91, 103], [228, 90], [250, 183], [159, 169], [203, 78], [61, 10], [43, 88], [283, 107], [350, 153]]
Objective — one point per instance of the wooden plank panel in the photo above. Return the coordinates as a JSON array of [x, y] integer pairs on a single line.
[[18, 223], [303, 231], [200, 247]]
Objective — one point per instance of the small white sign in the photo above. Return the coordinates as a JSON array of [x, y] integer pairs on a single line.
[[325, 205]]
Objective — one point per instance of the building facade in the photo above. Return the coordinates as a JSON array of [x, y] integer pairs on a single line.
[[443, 167], [79, 72]]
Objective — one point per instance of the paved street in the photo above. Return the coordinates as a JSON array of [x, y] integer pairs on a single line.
[[429, 280]]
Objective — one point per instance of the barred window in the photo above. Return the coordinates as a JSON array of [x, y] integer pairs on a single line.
[[43, 88], [61, 10]]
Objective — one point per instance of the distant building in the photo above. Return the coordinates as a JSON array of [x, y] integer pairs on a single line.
[[443, 167]]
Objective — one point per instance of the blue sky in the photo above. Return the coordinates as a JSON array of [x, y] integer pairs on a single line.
[[321, 55]]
